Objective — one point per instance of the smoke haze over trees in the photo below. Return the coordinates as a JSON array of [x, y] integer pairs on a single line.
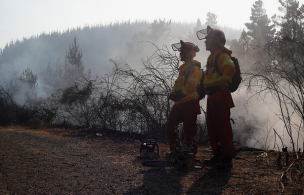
[[99, 43], [276, 73], [122, 42], [66, 77]]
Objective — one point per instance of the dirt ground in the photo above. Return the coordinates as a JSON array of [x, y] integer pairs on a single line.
[[58, 161]]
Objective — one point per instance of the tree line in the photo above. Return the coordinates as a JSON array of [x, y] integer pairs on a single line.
[[133, 98]]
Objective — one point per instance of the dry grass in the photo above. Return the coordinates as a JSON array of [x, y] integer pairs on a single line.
[[57, 161]]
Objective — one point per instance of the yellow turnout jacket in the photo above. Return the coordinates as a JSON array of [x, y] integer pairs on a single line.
[[225, 65], [188, 78]]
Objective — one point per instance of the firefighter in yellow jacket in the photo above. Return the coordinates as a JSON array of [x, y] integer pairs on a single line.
[[219, 71], [184, 94]]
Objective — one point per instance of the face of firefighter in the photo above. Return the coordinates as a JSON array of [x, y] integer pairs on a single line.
[[182, 55], [185, 56], [209, 42]]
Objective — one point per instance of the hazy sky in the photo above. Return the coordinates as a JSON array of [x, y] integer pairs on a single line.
[[24, 18]]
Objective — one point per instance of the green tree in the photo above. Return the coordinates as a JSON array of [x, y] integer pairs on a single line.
[[211, 20], [27, 77], [73, 67], [53, 75], [244, 41], [192, 35], [259, 29], [160, 35], [132, 46], [23, 88], [291, 23], [160, 31]]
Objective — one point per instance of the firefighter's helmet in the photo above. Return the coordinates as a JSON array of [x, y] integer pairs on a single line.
[[186, 47], [203, 34]]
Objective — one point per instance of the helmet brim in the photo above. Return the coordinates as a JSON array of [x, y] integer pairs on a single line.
[[181, 46], [176, 46], [201, 34]]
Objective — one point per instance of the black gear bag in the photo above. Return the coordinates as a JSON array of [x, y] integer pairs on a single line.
[[233, 85]]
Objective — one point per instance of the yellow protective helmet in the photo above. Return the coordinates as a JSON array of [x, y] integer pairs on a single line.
[[186, 47], [217, 33], [219, 36]]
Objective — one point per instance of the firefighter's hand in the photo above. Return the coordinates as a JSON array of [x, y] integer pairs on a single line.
[[225, 87], [176, 96], [172, 96]]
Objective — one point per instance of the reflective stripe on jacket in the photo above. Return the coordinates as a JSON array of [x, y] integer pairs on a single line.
[[225, 66], [188, 78]]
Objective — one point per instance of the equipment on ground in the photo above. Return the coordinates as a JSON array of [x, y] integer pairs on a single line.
[[147, 149], [179, 158]]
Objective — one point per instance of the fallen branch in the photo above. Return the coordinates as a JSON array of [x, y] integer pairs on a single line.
[[284, 174]]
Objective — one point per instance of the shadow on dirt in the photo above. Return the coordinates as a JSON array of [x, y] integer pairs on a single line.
[[212, 182], [171, 181], [160, 181]]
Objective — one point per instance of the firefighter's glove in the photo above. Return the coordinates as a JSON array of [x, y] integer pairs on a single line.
[[172, 96], [225, 87], [176, 96]]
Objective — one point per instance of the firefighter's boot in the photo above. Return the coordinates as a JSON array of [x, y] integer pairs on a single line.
[[214, 160], [225, 163]]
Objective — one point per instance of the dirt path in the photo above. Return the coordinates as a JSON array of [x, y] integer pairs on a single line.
[[40, 162], [53, 162]]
